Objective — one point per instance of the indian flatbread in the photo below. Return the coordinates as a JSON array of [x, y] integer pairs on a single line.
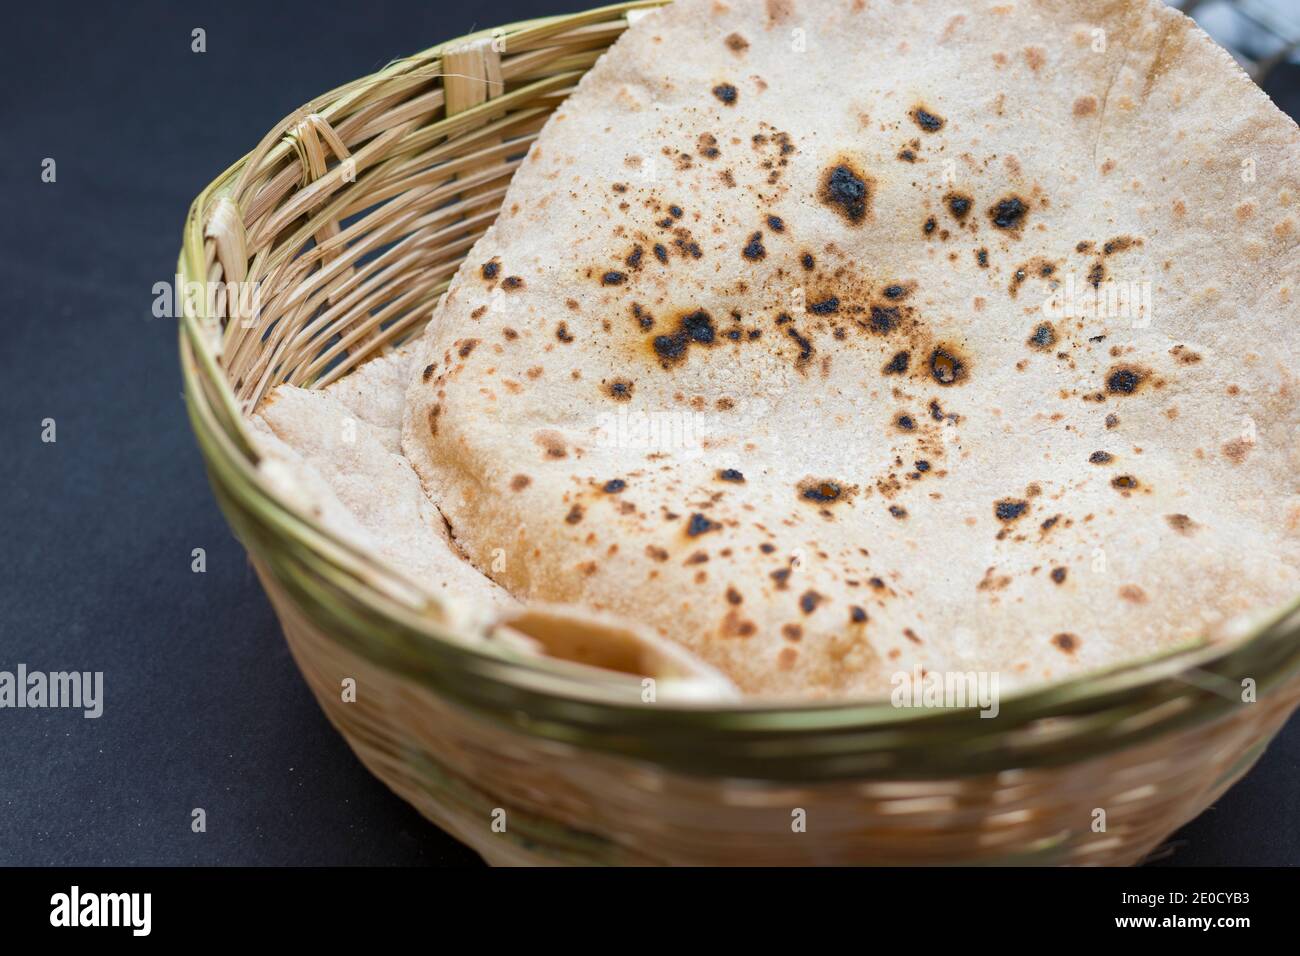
[[782, 346], [334, 454]]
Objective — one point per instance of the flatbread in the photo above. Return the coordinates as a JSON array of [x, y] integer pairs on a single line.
[[333, 454], [760, 351]]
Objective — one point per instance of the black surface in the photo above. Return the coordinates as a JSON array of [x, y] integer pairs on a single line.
[[204, 707]]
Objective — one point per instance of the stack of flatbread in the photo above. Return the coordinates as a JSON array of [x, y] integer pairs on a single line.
[[822, 340]]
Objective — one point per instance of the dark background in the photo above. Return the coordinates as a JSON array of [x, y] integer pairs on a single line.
[[203, 705]]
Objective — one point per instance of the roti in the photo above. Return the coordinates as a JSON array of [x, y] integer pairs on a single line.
[[334, 454], [838, 340]]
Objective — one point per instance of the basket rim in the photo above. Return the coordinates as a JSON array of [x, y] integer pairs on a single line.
[[1113, 705]]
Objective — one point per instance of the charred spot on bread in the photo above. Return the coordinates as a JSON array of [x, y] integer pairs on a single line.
[[1009, 509], [1043, 337], [927, 119], [694, 327], [898, 364], [698, 524], [847, 190], [726, 93], [959, 205], [1066, 643], [620, 389], [946, 365], [1124, 379], [884, 319], [822, 491], [1009, 213], [805, 347]]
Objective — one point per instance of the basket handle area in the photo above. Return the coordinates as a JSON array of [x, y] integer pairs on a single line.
[[309, 139], [471, 74]]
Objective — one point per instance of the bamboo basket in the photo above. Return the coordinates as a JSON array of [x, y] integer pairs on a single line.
[[350, 218]]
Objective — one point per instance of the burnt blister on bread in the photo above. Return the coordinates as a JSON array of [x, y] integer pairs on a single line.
[[1125, 379], [947, 365], [1009, 213], [959, 204], [821, 491], [1009, 509], [699, 524], [898, 364], [1043, 337], [620, 389], [847, 189], [693, 328], [754, 249], [926, 118], [884, 319]]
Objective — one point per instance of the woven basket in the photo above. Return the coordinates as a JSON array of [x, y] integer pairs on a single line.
[[350, 218]]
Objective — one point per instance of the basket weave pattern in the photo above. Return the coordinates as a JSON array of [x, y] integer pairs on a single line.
[[350, 218]]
